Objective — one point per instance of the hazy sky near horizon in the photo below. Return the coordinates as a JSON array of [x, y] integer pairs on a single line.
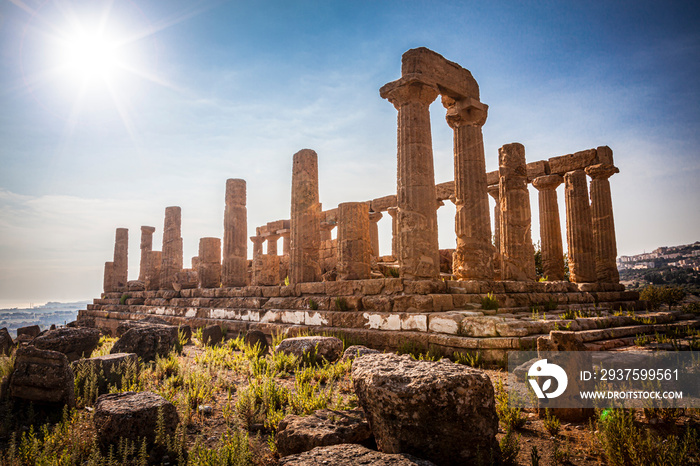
[[198, 92]]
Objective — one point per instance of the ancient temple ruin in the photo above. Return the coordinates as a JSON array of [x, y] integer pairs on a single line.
[[345, 285]]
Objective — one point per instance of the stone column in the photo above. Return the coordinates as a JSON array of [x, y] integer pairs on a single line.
[[154, 260], [257, 245], [354, 244], [121, 259], [285, 234], [234, 271], [392, 211], [146, 247], [550, 226], [272, 239], [473, 256], [493, 192], [108, 280], [517, 252], [374, 218], [603, 223], [172, 248], [418, 254], [304, 262], [209, 264], [579, 229]]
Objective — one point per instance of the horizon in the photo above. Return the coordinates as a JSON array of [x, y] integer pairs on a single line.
[[171, 101]]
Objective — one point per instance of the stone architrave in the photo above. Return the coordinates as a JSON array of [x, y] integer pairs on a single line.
[[354, 244], [234, 270], [171, 263], [392, 211], [517, 252], [418, 254], [154, 259], [550, 226], [473, 256], [209, 268], [108, 281], [304, 260], [374, 218], [579, 228], [603, 223], [146, 247], [121, 259]]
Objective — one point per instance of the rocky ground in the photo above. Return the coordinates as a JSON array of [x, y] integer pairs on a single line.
[[234, 403]]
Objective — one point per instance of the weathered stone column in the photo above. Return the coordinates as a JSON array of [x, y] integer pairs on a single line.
[[121, 259], [603, 223], [172, 248], [304, 262], [146, 247], [152, 279], [418, 255], [108, 280], [579, 229], [285, 234], [272, 239], [354, 244], [494, 193], [209, 266], [517, 252], [257, 245], [234, 271], [374, 218], [473, 256], [550, 226], [257, 257], [392, 211]]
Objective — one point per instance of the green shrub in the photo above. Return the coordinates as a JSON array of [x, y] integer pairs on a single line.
[[472, 359], [313, 305], [489, 302], [551, 423], [341, 304], [509, 416], [123, 299], [510, 448]]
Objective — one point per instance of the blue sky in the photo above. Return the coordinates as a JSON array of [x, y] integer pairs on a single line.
[[223, 90]]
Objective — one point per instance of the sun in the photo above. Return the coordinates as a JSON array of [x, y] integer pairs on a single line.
[[90, 54]]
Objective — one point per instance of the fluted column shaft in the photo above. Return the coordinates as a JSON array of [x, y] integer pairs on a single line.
[[550, 226], [121, 259], [354, 247], [603, 222], [494, 193], [374, 218], [171, 263], [234, 270], [108, 279], [209, 264], [392, 211], [304, 259], [579, 229], [418, 254], [517, 252], [146, 247], [154, 260], [272, 240]]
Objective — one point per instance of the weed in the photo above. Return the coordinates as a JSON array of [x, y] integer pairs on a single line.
[[551, 423], [341, 304], [560, 456], [473, 359], [510, 448], [313, 305], [641, 340], [534, 456], [179, 345], [489, 302], [123, 299], [233, 450], [510, 417], [286, 280]]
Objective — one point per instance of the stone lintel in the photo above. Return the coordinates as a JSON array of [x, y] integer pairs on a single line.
[[455, 81], [381, 204]]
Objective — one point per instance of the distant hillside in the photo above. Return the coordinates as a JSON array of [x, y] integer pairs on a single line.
[[51, 313], [666, 265]]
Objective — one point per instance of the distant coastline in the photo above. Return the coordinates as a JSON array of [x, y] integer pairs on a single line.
[[51, 313]]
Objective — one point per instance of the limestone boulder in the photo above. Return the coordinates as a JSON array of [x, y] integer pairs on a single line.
[[212, 335], [111, 366], [147, 341], [42, 376], [132, 415], [324, 427], [6, 343], [31, 330], [256, 337], [355, 351], [325, 348], [75, 343], [350, 454], [126, 325], [440, 411], [560, 340]]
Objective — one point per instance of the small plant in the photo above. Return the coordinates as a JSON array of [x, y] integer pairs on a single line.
[[510, 417], [560, 456], [286, 280], [551, 423], [313, 305], [393, 272], [341, 304], [123, 299], [534, 456], [510, 448], [469, 359], [568, 314], [489, 302], [641, 340]]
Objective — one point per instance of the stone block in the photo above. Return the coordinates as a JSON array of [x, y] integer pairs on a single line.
[[382, 321], [270, 291], [513, 328], [424, 286], [567, 163], [347, 320], [442, 302], [381, 204], [342, 288], [417, 322], [371, 287], [377, 303], [393, 285], [480, 326], [537, 169], [448, 322], [312, 288]]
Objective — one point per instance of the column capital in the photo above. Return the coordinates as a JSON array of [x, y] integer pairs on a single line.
[[464, 112], [257, 240], [328, 226], [547, 182], [601, 171], [494, 191], [375, 216], [147, 230], [407, 90], [392, 211]]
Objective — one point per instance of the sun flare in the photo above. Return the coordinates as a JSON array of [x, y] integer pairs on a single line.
[[89, 54]]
